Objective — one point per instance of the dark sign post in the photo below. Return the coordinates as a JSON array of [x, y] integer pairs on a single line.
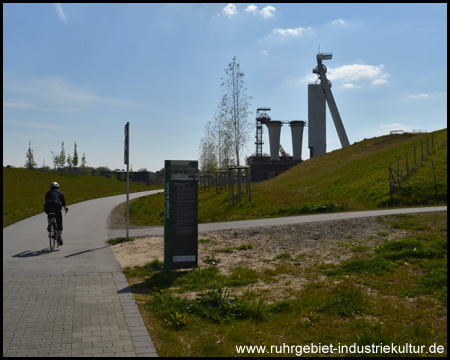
[[126, 160], [180, 214]]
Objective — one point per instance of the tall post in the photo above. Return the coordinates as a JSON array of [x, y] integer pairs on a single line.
[[407, 170], [435, 184], [127, 161]]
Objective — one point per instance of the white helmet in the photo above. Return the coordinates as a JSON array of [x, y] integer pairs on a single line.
[[54, 185]]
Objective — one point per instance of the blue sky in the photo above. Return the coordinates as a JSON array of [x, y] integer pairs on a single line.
[[79, 72]]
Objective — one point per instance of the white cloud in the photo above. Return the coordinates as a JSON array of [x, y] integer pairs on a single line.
[[60, 12], [419, 96], [376, 75], [291, 32], [51, 94], [353, 76], [349, 86], [43, 126], [338, 22], [264, 53], [27, 106], [266, 12], [252, 9], [229, 10]]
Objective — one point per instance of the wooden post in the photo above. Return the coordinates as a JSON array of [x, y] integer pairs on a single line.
[[390, 184], [217, 185], [239, 183], [398, 171], [231, 175], [247, 178], [407, 163], [435, 184], [421, 148]]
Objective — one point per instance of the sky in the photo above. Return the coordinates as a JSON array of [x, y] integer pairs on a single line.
[[77, 73]]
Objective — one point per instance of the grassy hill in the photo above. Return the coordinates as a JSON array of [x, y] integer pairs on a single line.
[[24, 190], [352, 178]]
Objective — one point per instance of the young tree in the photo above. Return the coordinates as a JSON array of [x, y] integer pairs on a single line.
[[222, 136], [69, 163], [207, 151], [62, 156], [235, 107], [30, 163], [83, 161], [75, 156]]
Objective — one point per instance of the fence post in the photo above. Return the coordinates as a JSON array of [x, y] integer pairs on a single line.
[[398, 171], [390, 186], [421, 148], [435, 185], [407, 163]]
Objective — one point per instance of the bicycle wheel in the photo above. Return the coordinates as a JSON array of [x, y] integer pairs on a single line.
[[50, 238], [53, 235]]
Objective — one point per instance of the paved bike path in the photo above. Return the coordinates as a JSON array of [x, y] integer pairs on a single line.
[[289, 220], [74, 301]]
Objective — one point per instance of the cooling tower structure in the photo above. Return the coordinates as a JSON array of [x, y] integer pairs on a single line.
[[274, 128], [317, 94], [267, 167], [297, 139]]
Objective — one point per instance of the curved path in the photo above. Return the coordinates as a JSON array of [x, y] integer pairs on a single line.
[[159, 230], [76, 301]]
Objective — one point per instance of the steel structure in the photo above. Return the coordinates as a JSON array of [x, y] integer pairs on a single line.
[[321, 71], [261, 119]]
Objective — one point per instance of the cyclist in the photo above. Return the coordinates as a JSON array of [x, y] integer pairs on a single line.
[[54, 202]]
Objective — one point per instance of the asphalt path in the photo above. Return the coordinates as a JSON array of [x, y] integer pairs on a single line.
[[26, 248]]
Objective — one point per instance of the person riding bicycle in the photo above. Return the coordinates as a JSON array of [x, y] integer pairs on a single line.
[[54, 202]]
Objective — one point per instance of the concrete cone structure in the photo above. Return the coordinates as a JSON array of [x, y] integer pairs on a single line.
[[274, 128], [297, 139]]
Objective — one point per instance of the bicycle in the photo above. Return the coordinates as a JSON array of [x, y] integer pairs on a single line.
[[53, 233]]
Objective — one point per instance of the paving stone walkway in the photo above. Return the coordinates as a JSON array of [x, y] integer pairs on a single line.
[[90, 314]]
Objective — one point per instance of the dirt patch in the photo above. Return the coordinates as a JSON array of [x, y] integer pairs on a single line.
[[301, 247]]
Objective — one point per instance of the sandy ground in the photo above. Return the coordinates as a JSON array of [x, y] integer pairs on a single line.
[[307, 245]]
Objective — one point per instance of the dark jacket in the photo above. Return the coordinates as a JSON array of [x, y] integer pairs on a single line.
[[55, 197]]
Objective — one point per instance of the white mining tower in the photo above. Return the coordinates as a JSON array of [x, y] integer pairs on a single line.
[[317, 94]]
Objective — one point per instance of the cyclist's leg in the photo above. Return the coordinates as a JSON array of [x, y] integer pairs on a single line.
[[60, 224]]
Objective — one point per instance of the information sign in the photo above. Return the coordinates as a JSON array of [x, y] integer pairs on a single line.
[[180, 214]]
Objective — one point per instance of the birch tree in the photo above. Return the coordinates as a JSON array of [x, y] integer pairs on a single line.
[[207, 150], [222, 136], [236, 104]]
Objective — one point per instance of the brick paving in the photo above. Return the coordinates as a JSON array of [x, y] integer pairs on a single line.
[[90, 314]]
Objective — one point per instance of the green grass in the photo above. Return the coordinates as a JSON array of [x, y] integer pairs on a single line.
[[352, 178], [392, 294], [24, 190]]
